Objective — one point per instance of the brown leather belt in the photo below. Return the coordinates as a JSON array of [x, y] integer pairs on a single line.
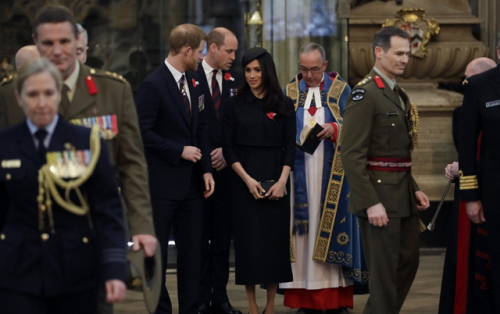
[[389, 164]]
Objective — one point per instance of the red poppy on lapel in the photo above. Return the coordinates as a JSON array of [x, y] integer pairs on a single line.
[[228, 77], [195, 83], [271, 115], [91, 85]]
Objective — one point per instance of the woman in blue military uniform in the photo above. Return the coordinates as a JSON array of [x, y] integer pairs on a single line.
[[56, 246]]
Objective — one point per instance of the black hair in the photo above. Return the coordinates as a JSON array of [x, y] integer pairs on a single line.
[[274, 99], [54, 14], [383, 37]]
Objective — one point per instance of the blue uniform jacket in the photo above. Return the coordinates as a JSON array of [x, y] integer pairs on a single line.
[[84, 250]]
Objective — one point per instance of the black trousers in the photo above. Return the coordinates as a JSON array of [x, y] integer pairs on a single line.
[[186, 219], [84, 302], [217, 232], [493, 238]]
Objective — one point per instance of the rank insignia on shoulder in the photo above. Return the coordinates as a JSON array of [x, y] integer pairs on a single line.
[[11, 163], [358, 93], [69, 164], [364, 81], [107, 124]]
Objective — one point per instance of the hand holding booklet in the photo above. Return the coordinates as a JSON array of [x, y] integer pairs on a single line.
[[309, 139]]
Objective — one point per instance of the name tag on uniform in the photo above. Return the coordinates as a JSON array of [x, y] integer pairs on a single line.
[[493, 103], [11, 163], [201, 103]]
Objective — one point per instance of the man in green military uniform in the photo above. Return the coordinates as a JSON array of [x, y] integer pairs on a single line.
[[380, 130], [94, 97]]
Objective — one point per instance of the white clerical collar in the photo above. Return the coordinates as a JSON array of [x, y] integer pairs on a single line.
[[316, 92]]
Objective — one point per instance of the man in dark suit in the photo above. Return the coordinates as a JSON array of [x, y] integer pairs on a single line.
[[479, 178], [378, 136], [171, 109], [54, 251], [218, 83]]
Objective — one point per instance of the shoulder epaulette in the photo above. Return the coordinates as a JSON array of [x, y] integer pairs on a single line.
[[364, 81], [8, 79], [108, 74]]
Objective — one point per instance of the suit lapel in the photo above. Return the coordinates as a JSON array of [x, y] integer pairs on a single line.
[[206, 86], [26, 145], [195, 101], [174, 92]]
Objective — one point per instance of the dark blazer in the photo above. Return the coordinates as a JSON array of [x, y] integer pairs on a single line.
[[166, 128], [370, 131], [73, 258], [230, 80], [481, 113], [112, 96]]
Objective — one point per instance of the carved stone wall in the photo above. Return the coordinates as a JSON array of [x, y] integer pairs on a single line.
[[448, 53]]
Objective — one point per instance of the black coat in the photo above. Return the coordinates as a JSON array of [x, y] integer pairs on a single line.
[[481, 113]]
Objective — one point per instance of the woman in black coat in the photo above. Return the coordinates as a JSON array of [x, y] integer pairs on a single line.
[[259, 144]]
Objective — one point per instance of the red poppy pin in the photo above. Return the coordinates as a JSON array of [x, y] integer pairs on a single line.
[[195, 83], [228, 77], [271, 115]]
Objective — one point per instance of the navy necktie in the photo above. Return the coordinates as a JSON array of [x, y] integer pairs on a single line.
[[216, 97], [40, 135]]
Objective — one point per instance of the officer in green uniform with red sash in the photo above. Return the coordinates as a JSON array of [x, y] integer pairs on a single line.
[[380, 129]]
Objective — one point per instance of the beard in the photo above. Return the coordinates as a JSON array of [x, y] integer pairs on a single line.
[[191, 65]]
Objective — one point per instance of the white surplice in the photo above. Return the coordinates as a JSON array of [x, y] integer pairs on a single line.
[[307, 273]]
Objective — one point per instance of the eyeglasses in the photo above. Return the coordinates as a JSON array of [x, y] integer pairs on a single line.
[[313, 71]]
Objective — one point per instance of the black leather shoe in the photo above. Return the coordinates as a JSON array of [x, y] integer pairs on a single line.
[[204, 308], [224, 308]]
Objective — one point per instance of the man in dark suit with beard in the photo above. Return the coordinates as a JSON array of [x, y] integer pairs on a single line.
[[171, 110], [218, 83]]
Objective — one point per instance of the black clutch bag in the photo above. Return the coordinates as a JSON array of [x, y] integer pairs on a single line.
[[266, 185]]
